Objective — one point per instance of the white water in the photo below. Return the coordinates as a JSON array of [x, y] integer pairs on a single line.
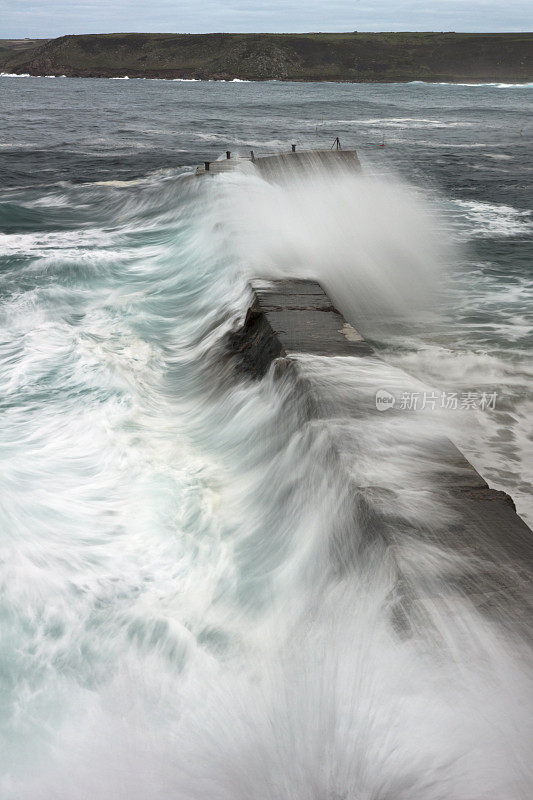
[[187, 613], [372, 242]]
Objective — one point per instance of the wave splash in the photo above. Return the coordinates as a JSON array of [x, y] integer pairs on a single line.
[[191, 611], [376, 244]]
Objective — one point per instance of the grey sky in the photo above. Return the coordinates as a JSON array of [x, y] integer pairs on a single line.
[[45, 18]]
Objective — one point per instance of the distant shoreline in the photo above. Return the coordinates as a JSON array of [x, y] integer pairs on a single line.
[[496, 84], [473, 58]]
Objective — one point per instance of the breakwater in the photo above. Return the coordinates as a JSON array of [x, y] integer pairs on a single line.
[[288, 163], [485, 549]]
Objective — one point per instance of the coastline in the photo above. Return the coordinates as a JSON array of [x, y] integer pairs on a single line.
[[236, 79], [429, 57]]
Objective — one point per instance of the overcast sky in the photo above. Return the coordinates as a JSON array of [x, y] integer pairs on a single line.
[[46, 18]]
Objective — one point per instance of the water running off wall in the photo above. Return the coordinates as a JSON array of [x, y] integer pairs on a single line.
[[185, 592]]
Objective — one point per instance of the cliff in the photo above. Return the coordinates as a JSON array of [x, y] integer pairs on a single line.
[[385, 57]]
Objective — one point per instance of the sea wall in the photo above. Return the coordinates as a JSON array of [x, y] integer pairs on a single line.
[[286, 164], [474, 529]]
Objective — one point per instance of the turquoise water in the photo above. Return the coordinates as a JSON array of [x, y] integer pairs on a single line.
[[173, 621]]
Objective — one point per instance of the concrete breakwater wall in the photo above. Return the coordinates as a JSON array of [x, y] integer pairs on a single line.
[[271, 166], [485, 550]]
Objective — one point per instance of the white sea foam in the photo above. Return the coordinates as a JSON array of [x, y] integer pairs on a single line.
[[27, 75], [190, 616], [492, 219], [239, 140], [400, 122], [524, 85], [447, 146], [48, 244], [499, 156]]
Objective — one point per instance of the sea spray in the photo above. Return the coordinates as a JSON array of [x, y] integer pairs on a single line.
[[376, 245], [394, 259], [188, 607], [295, 682]]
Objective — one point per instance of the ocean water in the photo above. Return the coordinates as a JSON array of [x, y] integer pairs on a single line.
[[183, 613]]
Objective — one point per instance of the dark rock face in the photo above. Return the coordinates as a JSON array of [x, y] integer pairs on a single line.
[[301, 57], [255, 344]]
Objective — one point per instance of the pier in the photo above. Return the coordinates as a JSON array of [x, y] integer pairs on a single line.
[[487, 546], [293, 159]]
